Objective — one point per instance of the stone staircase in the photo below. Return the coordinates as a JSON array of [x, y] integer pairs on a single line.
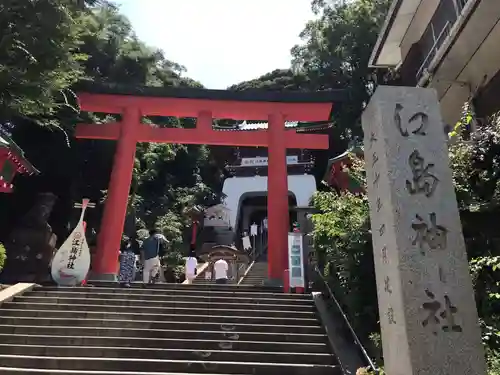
[[163, 329], [201, 280], [256, 275]]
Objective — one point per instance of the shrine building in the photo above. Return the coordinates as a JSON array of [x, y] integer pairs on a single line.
[[246, 189], [12, 162], [338, 175]]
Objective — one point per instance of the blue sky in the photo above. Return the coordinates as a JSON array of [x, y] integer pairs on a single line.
[[221, 42]]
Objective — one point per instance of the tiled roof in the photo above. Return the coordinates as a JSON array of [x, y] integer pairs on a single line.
[[331, 96], [301, 127], [17, 153], [264, 125], [357, 150], [3, 142]]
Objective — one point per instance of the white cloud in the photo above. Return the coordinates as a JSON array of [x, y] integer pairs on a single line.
[[221, 42]]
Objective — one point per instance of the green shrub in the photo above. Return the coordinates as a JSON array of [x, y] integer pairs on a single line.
[[3, 256]]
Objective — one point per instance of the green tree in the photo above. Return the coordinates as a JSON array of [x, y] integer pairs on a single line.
[[3, 256], [476, 173], [335, 52], [343, 244], [39, 58], [167, 178]]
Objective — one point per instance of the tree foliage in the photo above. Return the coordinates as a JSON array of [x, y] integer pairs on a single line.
[[475, 164], [39, 57], [335, 53], [342, 241], [50, 45], [3, 256]]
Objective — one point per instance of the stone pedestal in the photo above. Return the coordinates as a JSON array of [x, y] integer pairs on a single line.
[[428, 315]]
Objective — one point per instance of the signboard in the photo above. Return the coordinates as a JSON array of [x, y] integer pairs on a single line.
[[261, 161], [296, 260], [220, 223], [71, 262], [217, 216]]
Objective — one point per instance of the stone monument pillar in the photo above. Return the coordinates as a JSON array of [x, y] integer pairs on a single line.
[[426, 301]]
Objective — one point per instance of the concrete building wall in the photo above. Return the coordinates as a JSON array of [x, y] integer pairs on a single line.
[[302, 186]]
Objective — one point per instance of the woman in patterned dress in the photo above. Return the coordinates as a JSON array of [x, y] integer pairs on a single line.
[[127, 265]]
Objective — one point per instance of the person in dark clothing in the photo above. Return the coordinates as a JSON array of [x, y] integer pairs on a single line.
[[150, 257], [127, 264]]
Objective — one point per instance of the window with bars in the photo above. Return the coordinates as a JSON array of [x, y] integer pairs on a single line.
[[447, 13]]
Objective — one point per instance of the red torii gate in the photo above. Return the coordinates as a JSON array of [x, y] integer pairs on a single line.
[[275, 107]]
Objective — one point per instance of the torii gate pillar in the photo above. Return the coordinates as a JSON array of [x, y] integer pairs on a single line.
[[105, 263], [277, 198]]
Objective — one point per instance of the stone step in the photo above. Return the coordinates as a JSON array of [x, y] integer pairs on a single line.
[[255, 282], [123, 294], [131, 301], [165, 325], [253, 276], [257, 275], [187, 290], [183, 287], [165, 343], [200, 365], [157, 333], [202, 281], [257, 268], [220, 355], [163, 329], [13, 309], [69, 306], [32, 371]]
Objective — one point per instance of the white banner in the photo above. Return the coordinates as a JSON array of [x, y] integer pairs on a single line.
[[296, 260], [71, 262], [246, 243], [261, 161]]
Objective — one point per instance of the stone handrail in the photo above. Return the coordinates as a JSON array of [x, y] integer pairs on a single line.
[[328, 294], [246, 272], [7, 294]]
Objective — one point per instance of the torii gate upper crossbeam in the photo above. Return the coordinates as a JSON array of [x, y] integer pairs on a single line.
[[147, 133]]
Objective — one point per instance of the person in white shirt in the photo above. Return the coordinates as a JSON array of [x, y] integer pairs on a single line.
[[220, 270], [190, 268]]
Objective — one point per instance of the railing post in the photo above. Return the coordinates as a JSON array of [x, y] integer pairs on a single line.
[[286, 281]]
